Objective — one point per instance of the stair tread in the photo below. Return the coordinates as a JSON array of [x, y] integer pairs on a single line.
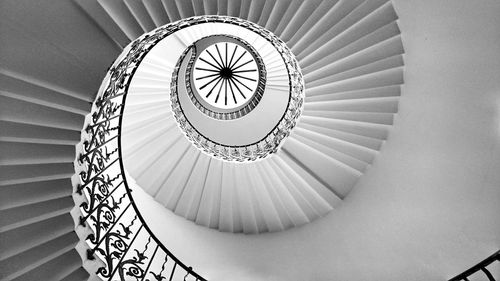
[[17, 174], [20, 239], [26, 214], [37, 255], [80, 274], [17, 195], [54, 269]]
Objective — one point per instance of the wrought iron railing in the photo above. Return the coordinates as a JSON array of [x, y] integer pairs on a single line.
[[116, 243], [479, 269], [268, 144]]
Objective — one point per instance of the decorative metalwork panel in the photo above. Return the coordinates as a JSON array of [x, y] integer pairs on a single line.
[[117, 237], [268, 144]]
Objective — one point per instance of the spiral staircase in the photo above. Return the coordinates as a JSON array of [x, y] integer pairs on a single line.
[[351, 57]]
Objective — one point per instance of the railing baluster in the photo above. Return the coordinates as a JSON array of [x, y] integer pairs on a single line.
[[488, 274], [479, 267], [173, 271], [99, 178], [150, 262]]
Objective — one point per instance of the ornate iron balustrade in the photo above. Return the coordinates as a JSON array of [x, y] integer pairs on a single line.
[[116, 243], [482, 266], [268, 144]]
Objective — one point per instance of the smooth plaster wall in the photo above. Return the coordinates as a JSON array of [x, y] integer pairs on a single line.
[[428, 208]]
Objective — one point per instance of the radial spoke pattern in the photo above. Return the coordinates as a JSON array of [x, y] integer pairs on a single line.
[[226, 75]]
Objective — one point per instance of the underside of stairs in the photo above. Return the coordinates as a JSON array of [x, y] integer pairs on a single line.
[[56, 56], [52, 60]]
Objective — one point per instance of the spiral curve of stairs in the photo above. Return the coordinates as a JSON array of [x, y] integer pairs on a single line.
[[351, 56]]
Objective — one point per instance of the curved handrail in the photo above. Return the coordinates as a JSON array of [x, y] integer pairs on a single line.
[[482, 266], [116, 242], [115, 235]]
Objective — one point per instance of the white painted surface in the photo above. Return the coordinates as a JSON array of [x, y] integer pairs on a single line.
[[429, 206]]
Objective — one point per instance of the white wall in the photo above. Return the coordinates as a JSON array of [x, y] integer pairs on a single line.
[[429, 207]]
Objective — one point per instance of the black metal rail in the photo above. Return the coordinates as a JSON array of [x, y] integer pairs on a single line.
[[464, 276]]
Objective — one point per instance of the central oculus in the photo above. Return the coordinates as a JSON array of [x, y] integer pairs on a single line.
[[236, 96], [228, 76]]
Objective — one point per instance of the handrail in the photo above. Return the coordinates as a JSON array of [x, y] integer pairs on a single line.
[[116, 237], [479, 267], [116, 241]]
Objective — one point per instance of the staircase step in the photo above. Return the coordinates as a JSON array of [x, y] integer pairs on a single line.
[[15, 153], [322, 145], [375, 131], [131, 147], [20, 216], [255, 10], [210, 7], [21, 132], [367, 105], [267, 17], [55, 269], [385, 78], [331, 23], [141, 14], [145, 159], [262, 197], [345, 35], [378, 92], [26, 261], [42, 95], [17, 195], [137, 128], [169, 159], [280, 202], [385, 33], [291, 10], [306, 27], [208, 212], [172, 10], [233, 8], [244, 9], [321, 166], [121, 15], [355, 152], [222, 7], [370, 117], [136, 122], [243, 214], [318, 193], [227, 205], [17, 174], [370, 143], [302, 14], [156, 12], [52, 60], [15, 110], [277, 14], [104, 21], [80, 274], [304, 212], [369, 68], [379, 51], [21, 239], [185, 8], [174, 185], [189, 200]]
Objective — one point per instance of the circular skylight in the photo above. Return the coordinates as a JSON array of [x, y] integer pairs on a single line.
[[226, 75]]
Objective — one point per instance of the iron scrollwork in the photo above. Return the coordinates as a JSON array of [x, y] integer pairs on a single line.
[[119, 237]]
